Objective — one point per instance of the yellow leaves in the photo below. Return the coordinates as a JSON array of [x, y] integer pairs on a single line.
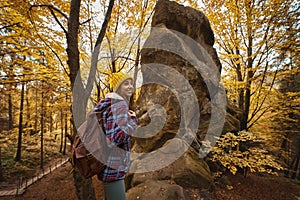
[[229, 187], [236, 26], [28, 54], [233, 169], [227, 152], [233, 56]]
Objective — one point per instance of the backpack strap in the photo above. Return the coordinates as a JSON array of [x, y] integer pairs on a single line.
[[100, 118]]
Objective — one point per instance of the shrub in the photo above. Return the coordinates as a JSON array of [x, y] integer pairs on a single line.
[[243, 151]]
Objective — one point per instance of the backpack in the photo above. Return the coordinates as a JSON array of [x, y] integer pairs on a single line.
[[89, 151]]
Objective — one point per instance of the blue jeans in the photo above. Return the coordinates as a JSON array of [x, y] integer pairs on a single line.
[[114, 190]]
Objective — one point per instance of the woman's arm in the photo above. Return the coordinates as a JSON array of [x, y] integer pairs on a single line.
[[124, 122]]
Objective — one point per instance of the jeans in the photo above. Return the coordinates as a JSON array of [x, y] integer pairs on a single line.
[[114, 190]]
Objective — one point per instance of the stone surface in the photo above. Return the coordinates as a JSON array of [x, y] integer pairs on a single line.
[[178, 99], [186, 170], [161, 190]]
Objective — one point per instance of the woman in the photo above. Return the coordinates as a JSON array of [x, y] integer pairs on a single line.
[[119, 123]]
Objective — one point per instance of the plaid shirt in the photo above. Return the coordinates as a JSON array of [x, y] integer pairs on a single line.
[[118, 128]]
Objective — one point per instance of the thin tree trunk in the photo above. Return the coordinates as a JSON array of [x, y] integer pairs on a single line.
[[19, 148], [27, 107], [66, 133], [249, 72], [36, 109], [244, 123], [239, 78], [61, 131], [10, 104], [42, 133], [284, 148], [1, 170], [136, 64], [10, 115], [296, 164], [50, 123]]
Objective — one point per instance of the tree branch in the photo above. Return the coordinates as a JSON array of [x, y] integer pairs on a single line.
[[51, 8], [91, 78]]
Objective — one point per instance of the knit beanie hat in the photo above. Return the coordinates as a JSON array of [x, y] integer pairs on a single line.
[[117, 79]]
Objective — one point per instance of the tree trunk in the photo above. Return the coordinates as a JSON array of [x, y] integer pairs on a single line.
[[247, 103], [296, 164], [19, 148], [249, 72], [50, 123], [84, 187], [80, 95], [61, 130], [10, 115], [42, 133], [66, 133], [36, 108], [1, 170], [241, 91], [28, 112]]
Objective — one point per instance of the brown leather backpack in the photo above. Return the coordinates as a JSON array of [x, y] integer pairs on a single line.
[[89, 150]]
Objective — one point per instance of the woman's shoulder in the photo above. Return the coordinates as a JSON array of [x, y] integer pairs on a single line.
[[111, 101], [114, 95], [116, 99]]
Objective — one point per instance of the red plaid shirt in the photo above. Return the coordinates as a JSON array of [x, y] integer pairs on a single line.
[[118, 128]]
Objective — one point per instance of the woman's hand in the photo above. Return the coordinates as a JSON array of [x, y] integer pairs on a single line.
[[131, 113]]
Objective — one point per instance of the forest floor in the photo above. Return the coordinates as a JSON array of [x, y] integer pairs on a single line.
[[59, 185]]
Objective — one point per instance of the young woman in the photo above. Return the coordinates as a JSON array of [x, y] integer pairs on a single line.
[[119, 123]]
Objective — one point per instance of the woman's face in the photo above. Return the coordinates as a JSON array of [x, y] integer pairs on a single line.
[[126, 88]]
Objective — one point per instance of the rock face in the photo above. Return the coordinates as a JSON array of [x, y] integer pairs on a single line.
[[179, 99]]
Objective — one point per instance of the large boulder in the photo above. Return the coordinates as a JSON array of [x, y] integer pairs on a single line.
[[177, 101], [187, 170]]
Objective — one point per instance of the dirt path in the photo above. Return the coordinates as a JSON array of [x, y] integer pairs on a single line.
[[55, 186], [59, 186]]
